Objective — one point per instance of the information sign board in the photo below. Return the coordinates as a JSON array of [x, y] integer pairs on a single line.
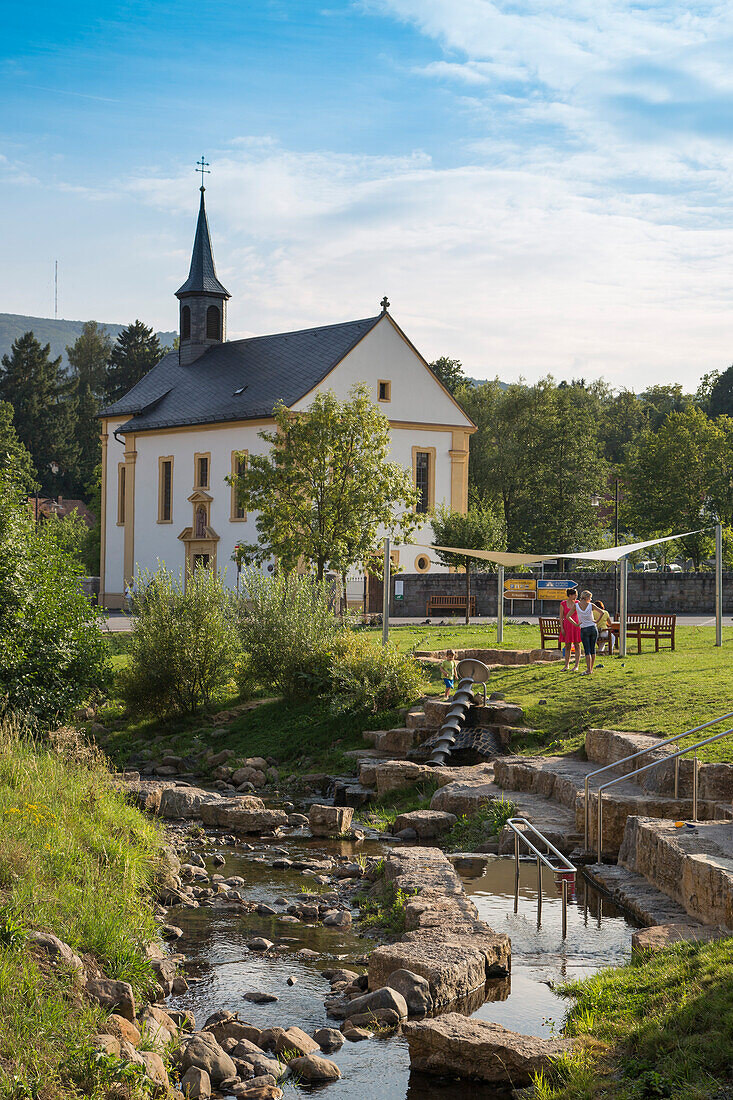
[[554, 589], [399, 591], [524, 588]]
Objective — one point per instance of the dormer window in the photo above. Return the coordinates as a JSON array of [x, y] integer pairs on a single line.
[[186, 323], [213, 323]]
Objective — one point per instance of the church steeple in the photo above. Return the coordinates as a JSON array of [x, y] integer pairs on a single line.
[[202, 297]]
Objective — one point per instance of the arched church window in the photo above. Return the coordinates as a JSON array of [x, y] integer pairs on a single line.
[[213, 323], [186, 323]]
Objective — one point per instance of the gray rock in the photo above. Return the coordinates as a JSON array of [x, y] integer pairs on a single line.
[[184, 802], [57, 950], [328, 820], [203, 1052], [415, 990], [260, 944], [260, 998], [196, 1084], [114, 996], [328, 1039], [386, 997], [312, 1068]]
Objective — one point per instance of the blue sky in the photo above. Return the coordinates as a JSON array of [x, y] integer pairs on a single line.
[[537, 187]]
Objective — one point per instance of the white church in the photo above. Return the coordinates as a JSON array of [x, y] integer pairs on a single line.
[[169, 444]]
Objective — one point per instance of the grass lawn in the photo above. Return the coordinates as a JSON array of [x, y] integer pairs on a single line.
[[661, 693], [662, 1026]]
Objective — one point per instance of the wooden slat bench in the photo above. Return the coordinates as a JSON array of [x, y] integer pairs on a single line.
[[452, 604], [549, 628], [658, 627]]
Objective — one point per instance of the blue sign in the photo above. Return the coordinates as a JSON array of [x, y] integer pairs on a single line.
[[554, 589]]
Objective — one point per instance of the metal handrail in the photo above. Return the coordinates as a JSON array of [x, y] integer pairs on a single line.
[[645, 752], [675, 756], [514, 824]]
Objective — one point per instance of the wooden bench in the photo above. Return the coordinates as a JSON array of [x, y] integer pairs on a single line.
[[651, 626], [550, 628], [451, 604]]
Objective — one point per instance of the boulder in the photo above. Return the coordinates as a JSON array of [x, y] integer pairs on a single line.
[[297, 820], [463, 796], [243, 814], [456, 1045], [337, 918], [453, 965], [196, 1084], [178, 803], [378, 1017], [379, 998], [249, 775], [328, 820], [59, 951], [312, 1068], [155, 1068], [114, 996], [203, 1052], [259, 943], [397, 775], [288, 1042], [122, 1029], [358, 1034], [415, 989], [427, 824], [660, 936], [328, 1039], [157, 1026]]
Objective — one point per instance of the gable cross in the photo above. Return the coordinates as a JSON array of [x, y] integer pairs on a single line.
[[384, 304]]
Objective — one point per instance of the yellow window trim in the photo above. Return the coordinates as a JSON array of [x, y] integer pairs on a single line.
[[422, 569], [236, 457], [384, 382], [161, 460], [196, 457]]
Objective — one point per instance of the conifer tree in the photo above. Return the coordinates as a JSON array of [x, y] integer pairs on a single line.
[[88, 357], [13, 455], [136, 351], [44, 410]]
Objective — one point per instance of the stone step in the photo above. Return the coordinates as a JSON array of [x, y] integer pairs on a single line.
[[603, 747], [692, 866], [637, 896]]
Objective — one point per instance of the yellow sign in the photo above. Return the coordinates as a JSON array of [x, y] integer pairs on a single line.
[[554, 590], [520, 589]]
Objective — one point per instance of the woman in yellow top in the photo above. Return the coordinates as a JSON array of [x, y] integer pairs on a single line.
[[603, 625]]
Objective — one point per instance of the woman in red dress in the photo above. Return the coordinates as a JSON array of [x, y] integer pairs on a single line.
[[570, 627]]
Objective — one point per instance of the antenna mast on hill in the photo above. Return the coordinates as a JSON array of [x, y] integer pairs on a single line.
[[56, 290]]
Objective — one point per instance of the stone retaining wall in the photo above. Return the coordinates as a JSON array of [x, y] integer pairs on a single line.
[[670, 593]]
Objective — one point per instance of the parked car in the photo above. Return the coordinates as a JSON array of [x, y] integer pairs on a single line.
[[672, 567], [647, 566]]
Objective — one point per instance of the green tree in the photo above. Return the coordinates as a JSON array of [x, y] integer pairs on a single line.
[[450, 373], [661, 401], [44, 410], [678, 479], [135, 352], [720, 399], [88, 357], [13, 453], [481, 528], [54, 653], [326, 492], [622, 418], [705, 390]]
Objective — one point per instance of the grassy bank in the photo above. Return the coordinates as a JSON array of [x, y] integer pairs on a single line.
[[77, 861], [660, 1027]]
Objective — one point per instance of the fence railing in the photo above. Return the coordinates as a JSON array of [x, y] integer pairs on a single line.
[[562, 869]]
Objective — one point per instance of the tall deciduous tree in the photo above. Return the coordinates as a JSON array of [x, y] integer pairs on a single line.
[[720, 397], [44, 410], [450, 372], [13, 455], [678, 479], [326, 491], [481, 528], [135, 352]]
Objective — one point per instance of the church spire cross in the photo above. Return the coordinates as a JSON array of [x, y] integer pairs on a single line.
[[202, 166], [384, 304]]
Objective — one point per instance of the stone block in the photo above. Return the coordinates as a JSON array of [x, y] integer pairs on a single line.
[[427, 824], [329, 820]]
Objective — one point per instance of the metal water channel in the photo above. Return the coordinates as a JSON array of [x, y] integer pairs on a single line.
[[214, 942]]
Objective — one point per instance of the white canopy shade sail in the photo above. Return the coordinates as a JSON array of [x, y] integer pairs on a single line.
[[611, 553]]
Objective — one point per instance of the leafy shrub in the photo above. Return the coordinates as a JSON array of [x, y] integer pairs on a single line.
[[370, 677], [487, 821], [184, 644], [54, 655], [288, 629]]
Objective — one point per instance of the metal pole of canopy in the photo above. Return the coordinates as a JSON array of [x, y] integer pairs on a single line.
[[500, 604], [718, 585], [624, 606], [386, 593]]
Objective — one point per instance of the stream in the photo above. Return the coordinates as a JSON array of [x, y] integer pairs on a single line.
[[220, 969]]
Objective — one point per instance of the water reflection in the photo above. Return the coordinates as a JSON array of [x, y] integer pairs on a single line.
[[215, 940]]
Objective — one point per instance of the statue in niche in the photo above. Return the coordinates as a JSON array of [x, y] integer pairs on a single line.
[[200, 525]]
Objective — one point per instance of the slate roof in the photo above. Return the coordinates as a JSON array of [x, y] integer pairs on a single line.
[[202, 274], [237, 380]]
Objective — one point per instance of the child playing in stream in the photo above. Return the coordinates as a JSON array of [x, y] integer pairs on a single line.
[[448, 671]]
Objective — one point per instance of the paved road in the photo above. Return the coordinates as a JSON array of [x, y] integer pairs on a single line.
[[118, 623]]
